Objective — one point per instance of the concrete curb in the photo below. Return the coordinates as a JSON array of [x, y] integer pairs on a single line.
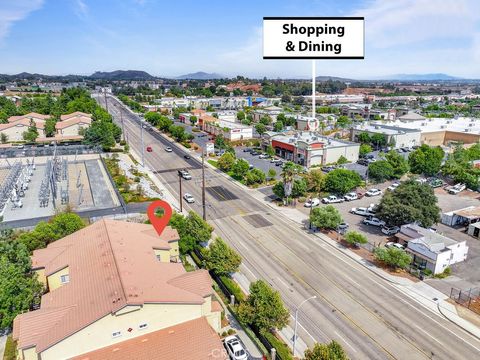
[[471, 329]]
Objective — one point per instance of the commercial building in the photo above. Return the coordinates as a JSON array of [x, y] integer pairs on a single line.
[[116, 291], [395, 136], [230, 130], [309, 148], [431, 250]]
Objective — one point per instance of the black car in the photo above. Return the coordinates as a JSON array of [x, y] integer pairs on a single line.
[[278, 163], [370, 156], [363, 162], [247, 150], [254, 153], [187, 157]]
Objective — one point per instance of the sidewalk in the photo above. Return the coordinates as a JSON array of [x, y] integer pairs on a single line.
[[3, 340]]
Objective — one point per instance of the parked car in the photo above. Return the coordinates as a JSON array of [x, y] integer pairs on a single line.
[[332, 199], [389, 244], [189, 198], [363, 211], [371, 220], [421, 180], [250, 166], [273, 160], [186, 175], [373, 192], [394, 186], [254, 153], [149, 149], [327, 169], [363, 162], [390, 230], [278, 163], [168, 149], [434, 183], [342, 227], [186, 156], [247, 150], [312, 202], [454, 190], [235, 348], [351, 196]]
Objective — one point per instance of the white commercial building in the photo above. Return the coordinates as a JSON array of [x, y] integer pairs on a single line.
[[431, 250], [395, 136], [230, 130]]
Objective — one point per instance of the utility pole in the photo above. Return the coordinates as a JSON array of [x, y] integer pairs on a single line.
[[105, 96], [296, 321], [180, 184], [143, 147], [203, 187], [313, 89]]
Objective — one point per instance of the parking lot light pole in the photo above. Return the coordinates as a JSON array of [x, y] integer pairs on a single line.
[[296, 321]]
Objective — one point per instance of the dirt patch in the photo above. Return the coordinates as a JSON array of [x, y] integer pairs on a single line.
[[468, 314]]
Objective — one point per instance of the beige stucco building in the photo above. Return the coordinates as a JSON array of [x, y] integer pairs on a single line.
[[73, 124], [115, 288]]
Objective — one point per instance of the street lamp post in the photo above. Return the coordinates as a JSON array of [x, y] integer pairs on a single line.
[[296, 321]]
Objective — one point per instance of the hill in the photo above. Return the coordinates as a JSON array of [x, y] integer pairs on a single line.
[[200, 75], [419, 77], [122, 75]]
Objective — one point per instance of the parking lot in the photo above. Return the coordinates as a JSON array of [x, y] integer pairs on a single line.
[[262, 164]]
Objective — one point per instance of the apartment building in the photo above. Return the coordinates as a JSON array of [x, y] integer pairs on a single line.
[[115, 290], [73, 124], [17, 125]]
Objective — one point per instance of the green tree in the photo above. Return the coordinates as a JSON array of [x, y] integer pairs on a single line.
[[32, 133], [326, 217], [260, 128], [263, 308], [365, 149], [271, 173], [426, 160], [278, 126], [342, 160], [343, 122], [265, 120], [100, 133], [398, 162], [354, 238], [50, 127], [220, 142], [364, 138], [330, 351], [178, 132], [240, 168], [410, 202], [289, 171], [394, 257], [240, 115], [192, 230], [3, 138], [315, 180], [226, 161], [378, 140], [341, 181], [380, 171], [221, 258], [255, 176], [193, 120], [270, 151]]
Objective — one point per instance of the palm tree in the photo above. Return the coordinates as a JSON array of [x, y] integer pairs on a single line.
[[289, 171]]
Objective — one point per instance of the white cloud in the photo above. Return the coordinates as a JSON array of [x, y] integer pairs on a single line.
[[13, 11], [81, 8]]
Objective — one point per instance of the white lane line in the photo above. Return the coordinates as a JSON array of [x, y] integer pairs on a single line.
[[283, 282], [345, 341], [302, 245], [250, 271], [314, 340], [243, 245], [429, 335]]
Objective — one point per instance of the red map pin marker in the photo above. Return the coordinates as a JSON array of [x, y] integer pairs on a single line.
[[159, 223]]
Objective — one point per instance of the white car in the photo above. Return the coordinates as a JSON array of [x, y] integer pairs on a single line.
[[395, 245], [235, 348], [390, 230], [189, 198], [393, 187], [373, 192], [312, 202], [373, 221], [456, 189], [332, 199], [186, 175], [263, 156], [168, 149], [361, 211], [351, 196]]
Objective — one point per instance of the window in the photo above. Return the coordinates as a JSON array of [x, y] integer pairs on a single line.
[[116, 334], [65, 279], [142, 326]]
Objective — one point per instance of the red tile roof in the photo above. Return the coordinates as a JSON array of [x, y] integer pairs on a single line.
[[191, 340], [81, 120], [75, 114], [29, 116], [39, 124], [111, 264]]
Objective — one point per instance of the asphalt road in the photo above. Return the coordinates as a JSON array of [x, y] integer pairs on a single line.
[[369, 316]]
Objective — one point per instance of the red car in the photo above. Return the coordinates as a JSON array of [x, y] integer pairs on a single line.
[[149, 149]]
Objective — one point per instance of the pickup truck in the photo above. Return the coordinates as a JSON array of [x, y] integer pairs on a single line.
[[454, 190], [362, 211], [351, 196], [332, 199], [374, 221]]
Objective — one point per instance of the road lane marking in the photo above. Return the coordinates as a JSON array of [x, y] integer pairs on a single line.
[[283, 282], [345, 341], [243, 245], [429, 335], [250, 271], [299, 324]]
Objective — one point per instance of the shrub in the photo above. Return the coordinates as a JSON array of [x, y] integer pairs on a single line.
[[354, 237], [283, 350], [231, 331], [233, 288], [10, 349]]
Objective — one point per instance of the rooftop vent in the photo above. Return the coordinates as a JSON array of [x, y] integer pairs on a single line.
[[467, 130]]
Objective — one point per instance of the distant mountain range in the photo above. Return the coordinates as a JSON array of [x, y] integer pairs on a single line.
[[419, 77], [200, 75], [333, 78], [122, 75]]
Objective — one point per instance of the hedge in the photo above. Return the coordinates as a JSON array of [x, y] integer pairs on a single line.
[[10, 349], [233, 288], [282, 349]]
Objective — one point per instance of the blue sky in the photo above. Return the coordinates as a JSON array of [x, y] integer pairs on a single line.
[[169, 38]]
